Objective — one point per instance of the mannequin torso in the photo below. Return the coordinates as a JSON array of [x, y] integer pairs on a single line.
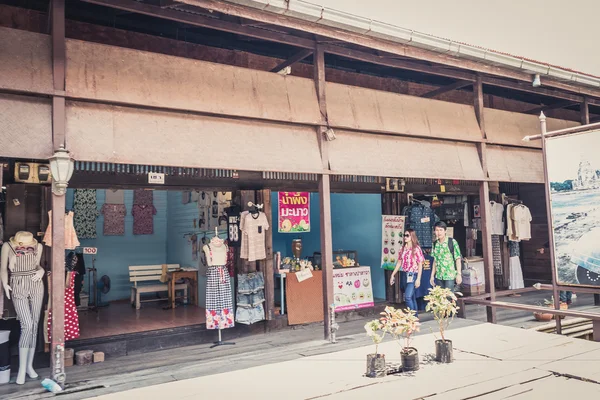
[[216, 252]]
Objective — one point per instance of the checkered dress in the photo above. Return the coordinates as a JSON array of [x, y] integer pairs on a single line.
[[219, 304]]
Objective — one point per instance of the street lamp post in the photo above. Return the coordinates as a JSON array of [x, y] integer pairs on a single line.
[[61, 167]]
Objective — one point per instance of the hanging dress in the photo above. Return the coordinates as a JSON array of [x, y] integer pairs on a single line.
[[71, 241], [71, 316], [219, 302]]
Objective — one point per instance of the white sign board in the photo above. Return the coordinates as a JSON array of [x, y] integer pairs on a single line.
[[156, 178], [90, 250], [352, 288]]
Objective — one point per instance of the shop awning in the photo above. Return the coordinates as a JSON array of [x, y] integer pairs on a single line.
[[117, 134], [25, 127], [387, 155], [511, 164]]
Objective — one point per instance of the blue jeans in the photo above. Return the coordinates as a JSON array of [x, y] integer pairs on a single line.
[[409, 290], [447, 284]]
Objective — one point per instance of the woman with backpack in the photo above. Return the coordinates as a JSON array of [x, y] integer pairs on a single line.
[[410, 261]]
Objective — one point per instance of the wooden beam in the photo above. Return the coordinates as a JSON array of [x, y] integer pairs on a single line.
[[299, 56], [380, 44], [197, 20], [559, 105], [585, 111], [448, 88], [324, 193], [484, 200]]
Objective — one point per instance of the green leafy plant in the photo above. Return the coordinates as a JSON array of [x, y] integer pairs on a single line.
[[401, 325], [375, 331], [442, 304]]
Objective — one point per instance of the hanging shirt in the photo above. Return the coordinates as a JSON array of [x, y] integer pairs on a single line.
[[445, 262], [71, 240], [143, 219], [114, 219], [234, 234], [422, 219], [203, 210], [86, 212], [143, 197], [254, 228], [522, 220], [114, 196], [497, 214]]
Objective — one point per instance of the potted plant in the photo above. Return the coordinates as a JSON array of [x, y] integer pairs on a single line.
[[401, 325], [375, 362], [442, 304]]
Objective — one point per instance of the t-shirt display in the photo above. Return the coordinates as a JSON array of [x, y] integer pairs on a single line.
[[497, 214], [114, 196], [143, 197], [143, 219], [114, 219], [86, 211], [234, 236], [253, 227], [422, 219], [522, 222]]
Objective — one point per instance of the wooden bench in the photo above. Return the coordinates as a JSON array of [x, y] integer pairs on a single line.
[[149, 277]]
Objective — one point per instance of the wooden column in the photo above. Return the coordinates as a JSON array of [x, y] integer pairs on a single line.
[[484, 201], [324, 193], [57, 280], [266, 266], [585, 112], [555, 291]]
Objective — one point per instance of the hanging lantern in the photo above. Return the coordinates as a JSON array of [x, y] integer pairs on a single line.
[[61, 166]]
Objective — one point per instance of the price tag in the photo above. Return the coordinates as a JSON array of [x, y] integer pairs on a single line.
[[156, 178], [443, 188], [90, 250]]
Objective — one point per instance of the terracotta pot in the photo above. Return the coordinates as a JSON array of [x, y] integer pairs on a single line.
[[543, 316], [443, 351], [410, 359], [376, 366]]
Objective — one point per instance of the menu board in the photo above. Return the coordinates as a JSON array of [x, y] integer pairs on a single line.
[[392, 237]]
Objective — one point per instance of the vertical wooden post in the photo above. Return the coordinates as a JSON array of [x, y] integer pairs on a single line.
[[484, 201], [264, 197], [585, 112], [555, 290], [324, 192], [57, 301]]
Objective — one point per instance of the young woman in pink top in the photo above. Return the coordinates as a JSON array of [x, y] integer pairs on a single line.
[[411, 262]]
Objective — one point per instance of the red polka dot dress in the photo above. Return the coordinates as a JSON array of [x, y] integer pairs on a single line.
[[71, 317]]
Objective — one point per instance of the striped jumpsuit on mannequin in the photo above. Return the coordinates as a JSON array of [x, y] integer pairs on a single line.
[[27, 295]]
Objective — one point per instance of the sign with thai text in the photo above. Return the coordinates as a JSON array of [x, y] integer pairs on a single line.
[[156, 178], [294, 212], [392, 237], [352, 289]]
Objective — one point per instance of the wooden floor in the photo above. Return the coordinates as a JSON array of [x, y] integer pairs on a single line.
[[121, 318]]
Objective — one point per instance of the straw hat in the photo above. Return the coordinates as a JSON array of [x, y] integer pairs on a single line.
[[23, 239]]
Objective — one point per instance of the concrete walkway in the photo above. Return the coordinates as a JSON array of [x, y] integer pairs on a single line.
[[492, 362]]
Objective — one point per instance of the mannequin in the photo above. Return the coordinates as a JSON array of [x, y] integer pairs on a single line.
[[219, 304], [21, 256]]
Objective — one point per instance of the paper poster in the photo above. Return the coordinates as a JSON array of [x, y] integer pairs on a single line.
[[352, 288], [574, 177], [392, 239], [294, 212]]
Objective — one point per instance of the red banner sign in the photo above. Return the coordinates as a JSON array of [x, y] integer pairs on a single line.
[[294, 212]]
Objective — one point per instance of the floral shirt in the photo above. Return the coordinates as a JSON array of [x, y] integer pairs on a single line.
[[445, 264], [114, 219], [411, 260], [143, 219], [85, 209]]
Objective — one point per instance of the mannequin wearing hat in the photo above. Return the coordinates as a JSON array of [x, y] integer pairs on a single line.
[[20, 259]]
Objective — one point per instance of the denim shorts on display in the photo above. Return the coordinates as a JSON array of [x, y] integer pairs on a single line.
[[248, 300], [249, 316], [251, 283]]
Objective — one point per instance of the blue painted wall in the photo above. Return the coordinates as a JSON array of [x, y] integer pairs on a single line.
[[356, 225], [117, 253]]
